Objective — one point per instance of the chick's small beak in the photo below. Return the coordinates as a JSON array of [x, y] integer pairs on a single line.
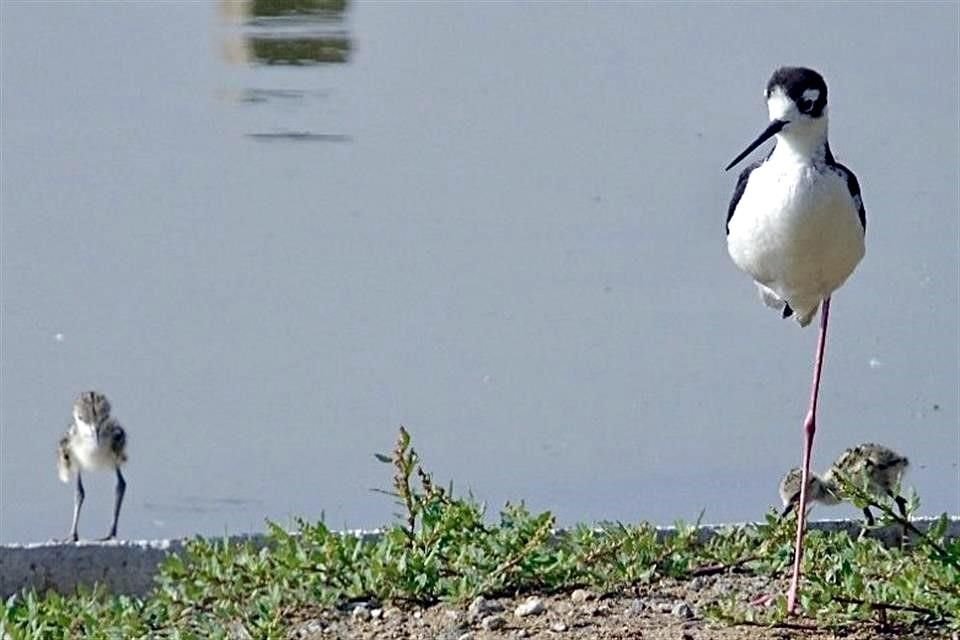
[[791, 505], [772, 129]]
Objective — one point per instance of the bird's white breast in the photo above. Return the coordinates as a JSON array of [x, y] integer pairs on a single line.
[[89, 454], [796, 230]]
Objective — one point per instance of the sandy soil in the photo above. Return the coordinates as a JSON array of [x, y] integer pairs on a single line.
[[668, 611]]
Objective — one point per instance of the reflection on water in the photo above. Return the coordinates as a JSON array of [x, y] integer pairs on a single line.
[[301, 136], [313, 49], [263, 34], [287, 32], [323, 8], [265, 95], [201, 504]]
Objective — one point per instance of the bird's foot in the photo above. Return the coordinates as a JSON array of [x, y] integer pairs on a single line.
[[70, 538], [108, 537]]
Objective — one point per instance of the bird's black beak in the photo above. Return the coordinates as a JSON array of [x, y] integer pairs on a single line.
[[772, 129]]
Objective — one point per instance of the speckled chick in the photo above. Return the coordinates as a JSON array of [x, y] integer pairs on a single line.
[[94, 441]]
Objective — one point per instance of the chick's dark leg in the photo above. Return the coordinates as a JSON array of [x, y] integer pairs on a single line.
[[117, 502], [78, 497], [902, 508], [901, 505]]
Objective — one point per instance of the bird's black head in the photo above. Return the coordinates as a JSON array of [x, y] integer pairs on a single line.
[[797, 103], [805, 88]]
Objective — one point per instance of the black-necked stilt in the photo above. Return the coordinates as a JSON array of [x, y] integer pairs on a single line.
[[878, 468], [93, 441], [796, 225]]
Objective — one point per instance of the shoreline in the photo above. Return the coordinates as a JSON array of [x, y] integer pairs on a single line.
[[128, 567]]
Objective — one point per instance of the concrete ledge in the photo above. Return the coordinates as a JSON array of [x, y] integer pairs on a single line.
[[123, 567], [129, 567]]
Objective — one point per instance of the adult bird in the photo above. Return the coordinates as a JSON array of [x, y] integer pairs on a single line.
[[93, 441], [796, 225]]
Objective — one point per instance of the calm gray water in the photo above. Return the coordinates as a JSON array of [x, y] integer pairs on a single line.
[[499, 225]]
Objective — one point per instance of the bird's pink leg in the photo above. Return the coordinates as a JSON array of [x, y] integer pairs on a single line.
[[809, 428]]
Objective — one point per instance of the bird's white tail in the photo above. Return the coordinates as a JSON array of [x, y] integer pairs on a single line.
[[804, 320], [803, 315], [770, 298]]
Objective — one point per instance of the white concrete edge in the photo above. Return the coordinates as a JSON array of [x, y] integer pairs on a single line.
[[129, 566]]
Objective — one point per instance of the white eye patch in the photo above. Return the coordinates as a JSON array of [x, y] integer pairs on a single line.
[[811, 95], [779, 105]]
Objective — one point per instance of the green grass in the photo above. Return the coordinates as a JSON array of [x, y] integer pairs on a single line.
[[444, 548]]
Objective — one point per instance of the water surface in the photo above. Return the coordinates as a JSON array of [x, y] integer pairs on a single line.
[[271, 241]]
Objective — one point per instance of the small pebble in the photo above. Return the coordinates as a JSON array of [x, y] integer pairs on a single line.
[[682, 610], [376, 614], [237, 632], [466, 636], [635, 608], [311, 627], [493, 623], [533, 606], [453, 614], [698, 583], [481, 607], [418, 614], [360, 612], [582, 595], [592, 610], [560, 626]]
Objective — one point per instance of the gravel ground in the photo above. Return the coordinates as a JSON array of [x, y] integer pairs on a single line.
[[668, 611]]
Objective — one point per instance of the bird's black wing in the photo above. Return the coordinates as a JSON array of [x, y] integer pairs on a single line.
[[738, 191], [854, 188]]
